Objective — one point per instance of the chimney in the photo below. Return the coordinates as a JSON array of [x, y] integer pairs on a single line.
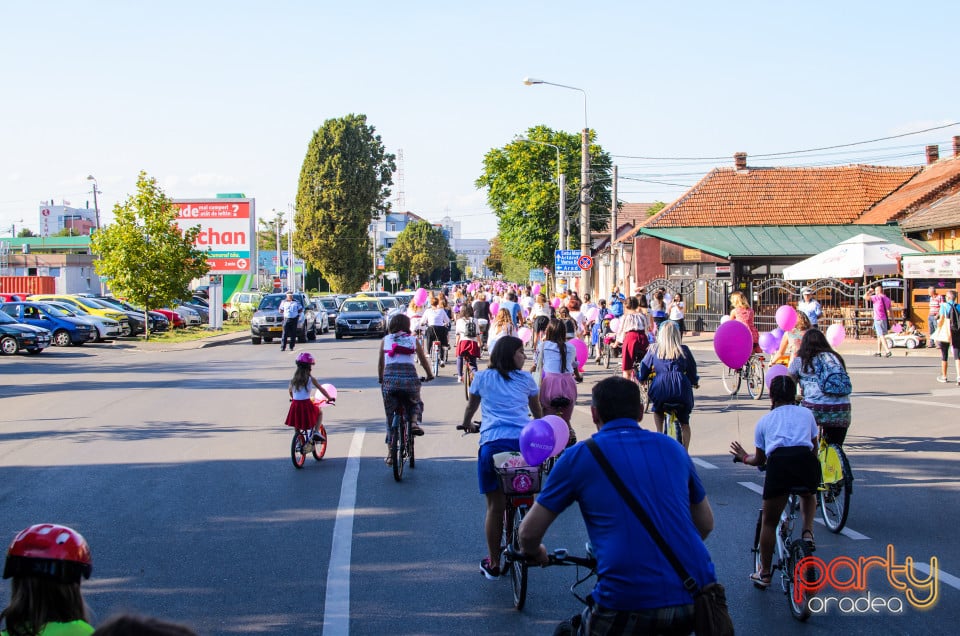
[[933, 153], [956, 145], [740, 160]]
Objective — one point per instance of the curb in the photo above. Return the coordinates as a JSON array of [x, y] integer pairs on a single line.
[[203, 343]]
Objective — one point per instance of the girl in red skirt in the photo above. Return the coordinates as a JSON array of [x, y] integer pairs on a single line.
[[304, 413]]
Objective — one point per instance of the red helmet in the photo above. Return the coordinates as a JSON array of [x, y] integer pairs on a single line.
[[50, 551], [305, 358]]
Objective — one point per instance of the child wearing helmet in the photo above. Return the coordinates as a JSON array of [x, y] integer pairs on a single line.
[[304, 413], [46, 562]]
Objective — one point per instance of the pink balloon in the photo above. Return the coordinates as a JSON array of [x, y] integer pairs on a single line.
[[420, 297], [524, 334], [561, 433], [733, 343], [555, 303], [593, 313], [772, 372], [581, 348], [322, 401], [614, 324], [494, 309], [536, 289], [835, 335], [536, 442], [786, 317]]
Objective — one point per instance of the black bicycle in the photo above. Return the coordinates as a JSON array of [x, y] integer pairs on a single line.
[[559, 556], [401, 437]]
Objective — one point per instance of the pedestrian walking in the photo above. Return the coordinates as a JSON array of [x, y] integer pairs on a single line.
[[934, 313]]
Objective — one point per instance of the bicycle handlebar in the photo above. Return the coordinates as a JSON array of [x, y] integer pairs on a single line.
[[467, 430], [559, 556]]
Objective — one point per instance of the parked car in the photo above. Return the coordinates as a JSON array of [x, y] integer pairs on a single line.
[[331, 306], [158, 321], [267, 323], [17, 336], [10, 298], [190, 316], [173, 318], [203, 312], [65, 329], [204, 303], [361, 316], [202, 290], [242, 302], [91, 305], [106, 327]]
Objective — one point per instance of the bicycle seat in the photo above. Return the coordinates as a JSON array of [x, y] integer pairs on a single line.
[[800, 490], [672, 406]]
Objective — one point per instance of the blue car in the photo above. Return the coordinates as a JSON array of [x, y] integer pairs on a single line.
[[66, 330]]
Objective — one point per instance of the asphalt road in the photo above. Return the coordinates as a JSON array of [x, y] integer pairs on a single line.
[[175, 466]]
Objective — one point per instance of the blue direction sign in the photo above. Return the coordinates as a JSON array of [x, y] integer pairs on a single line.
[[565, 261]]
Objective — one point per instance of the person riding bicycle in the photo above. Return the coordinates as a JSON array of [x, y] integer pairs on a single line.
[[815, 358], [468, 340], [540, 315], [304, 413], [437, 323], [46, 562], [398, 376], [676, 376], [790, 342], [637, 590], [557, 361], [741, 312], [786, 441], [500, 326], [633, 336], [505, 393]]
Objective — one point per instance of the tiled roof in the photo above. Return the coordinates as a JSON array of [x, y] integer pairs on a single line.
[[930, 184], [635, 213], [944, 212], [788, 196]]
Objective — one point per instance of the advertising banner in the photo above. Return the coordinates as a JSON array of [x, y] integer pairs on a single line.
[[931, 265], [227, 231]]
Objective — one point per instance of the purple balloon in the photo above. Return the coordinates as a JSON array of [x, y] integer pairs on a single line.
[[772, 372], [778, 334], [786, 317], [733, 343], [769, 342], [536, 442]]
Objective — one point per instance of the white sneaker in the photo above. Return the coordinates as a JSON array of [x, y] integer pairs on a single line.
[[942, 378], [459, 379]]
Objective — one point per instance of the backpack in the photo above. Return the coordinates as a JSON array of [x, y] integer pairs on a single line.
[[470, 328], [833, 379], [954, 317]]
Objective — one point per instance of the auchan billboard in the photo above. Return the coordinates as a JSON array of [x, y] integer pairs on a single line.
[[227, 230]]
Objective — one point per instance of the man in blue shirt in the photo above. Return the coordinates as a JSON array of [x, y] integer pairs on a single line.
[[637, 590], [512, 306]]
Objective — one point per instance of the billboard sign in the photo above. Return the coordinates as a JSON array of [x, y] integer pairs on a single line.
[[227, 231]]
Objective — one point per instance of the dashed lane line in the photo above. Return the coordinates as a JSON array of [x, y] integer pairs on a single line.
[[847, 532], [336, 607], [703, 463], [947, 405]]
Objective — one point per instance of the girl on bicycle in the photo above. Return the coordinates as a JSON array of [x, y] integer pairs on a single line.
[[540, 315], [46, 563], [790, 343], [505, 393], [436, 321], [633, 334], [676, 376], [397, 374], [304, 413], [785, 439], [502, 326], [832, 412], [557, 360], [468, 340], [741, 312]]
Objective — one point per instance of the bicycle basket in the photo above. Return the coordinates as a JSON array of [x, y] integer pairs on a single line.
[[516, 477]]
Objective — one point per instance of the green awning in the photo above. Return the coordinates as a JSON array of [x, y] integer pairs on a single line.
[[753, 241]]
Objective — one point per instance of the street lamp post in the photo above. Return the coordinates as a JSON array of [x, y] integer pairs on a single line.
[[585, 197], [562, 240], [96, 206]]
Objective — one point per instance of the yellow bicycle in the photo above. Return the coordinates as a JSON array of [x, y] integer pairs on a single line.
[[836, 485]]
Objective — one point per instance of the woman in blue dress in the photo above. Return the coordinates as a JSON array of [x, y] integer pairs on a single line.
[[676, 377]]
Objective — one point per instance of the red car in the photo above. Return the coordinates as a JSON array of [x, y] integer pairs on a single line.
[[175, 320], [10, 298]]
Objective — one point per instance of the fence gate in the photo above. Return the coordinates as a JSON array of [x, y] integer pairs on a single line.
[[705, 300]]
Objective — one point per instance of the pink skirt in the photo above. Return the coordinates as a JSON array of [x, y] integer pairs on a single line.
[[302, 414], [558, 385]]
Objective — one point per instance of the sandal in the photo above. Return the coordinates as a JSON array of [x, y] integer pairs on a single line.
[[810, 542], [760, 580], [388, 460]]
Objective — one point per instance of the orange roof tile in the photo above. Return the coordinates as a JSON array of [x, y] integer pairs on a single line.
[[932, 182], [782, 196]]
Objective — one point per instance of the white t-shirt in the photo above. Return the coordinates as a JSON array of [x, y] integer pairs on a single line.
[[504, 405], [785, 426], [401, 340], [676, 311], [435, 317], [462, 329], [551, 357]]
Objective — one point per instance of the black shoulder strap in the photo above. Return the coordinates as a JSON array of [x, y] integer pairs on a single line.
[[688, 581]]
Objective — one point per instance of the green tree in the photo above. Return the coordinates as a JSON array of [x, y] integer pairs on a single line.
[[344, 186], [522, 190], [25, 232], [267, 233], [67, 231], [656, 207], [421, 249], [147, 258], [494, 261]]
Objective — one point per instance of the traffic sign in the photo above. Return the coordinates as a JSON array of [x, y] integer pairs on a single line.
[[585, 262], [565, 261]]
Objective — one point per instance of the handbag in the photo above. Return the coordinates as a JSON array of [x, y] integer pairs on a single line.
[[942, 334], [711, 615]]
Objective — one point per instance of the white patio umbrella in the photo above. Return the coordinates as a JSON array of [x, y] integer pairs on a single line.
[[856, 257]]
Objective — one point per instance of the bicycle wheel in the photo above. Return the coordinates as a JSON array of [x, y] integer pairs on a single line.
[[755, 378], [396, 445], [467, 379], [296, 449], [757, 565], [798, 598], [645, 395], [411, 439], [731, 379], [436, 359], [518, 569], [320, 448], [834, 498]]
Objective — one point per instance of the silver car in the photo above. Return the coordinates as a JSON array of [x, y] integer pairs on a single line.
[[267, 324], [106, 327]]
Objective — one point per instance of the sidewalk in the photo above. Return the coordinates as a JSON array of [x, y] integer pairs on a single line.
[[213, 340], [703, 341]]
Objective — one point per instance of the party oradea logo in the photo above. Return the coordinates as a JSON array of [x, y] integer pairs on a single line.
[[842, 584]]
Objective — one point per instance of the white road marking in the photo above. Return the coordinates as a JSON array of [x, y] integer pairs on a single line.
[[847, 532], [336, 606], [703, 464], [909, 401], [942, 576]]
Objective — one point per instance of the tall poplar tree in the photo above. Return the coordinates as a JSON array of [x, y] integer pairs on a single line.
[[344, 186]]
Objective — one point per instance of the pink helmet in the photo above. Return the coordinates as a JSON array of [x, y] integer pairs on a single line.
[[305, 358]]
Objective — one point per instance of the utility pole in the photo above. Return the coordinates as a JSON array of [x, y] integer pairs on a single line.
[[291, 275], [373, 282], [585, 200], [276, 226], [613, 229], [564, 241]]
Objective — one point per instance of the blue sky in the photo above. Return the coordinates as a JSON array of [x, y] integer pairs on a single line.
[[211, 96]]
